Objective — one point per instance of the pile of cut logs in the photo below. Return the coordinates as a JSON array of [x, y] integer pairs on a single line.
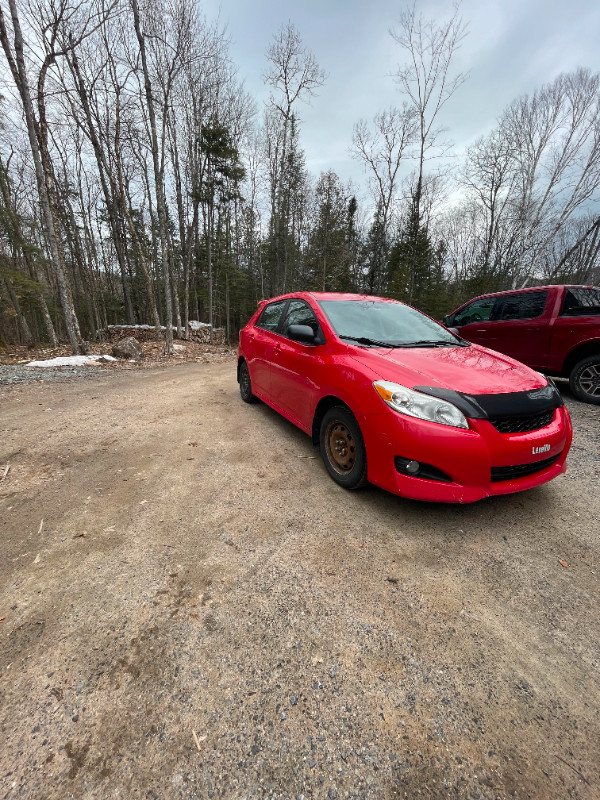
[[147, 333]]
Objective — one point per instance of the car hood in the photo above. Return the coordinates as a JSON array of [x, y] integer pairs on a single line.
[[470, 370]]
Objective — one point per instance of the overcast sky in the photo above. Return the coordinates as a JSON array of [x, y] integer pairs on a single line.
[[513, 46]]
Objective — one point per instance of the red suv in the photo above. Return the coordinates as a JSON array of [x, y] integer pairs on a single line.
[[394, 398]]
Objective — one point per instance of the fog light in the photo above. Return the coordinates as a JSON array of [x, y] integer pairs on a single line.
[[420, 470]]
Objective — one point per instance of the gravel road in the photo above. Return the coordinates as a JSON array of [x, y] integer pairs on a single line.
[[11, 375], [191, 608]]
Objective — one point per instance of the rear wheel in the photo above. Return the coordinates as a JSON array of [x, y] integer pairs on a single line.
[[584, 380], [343, 449], [246, 384]]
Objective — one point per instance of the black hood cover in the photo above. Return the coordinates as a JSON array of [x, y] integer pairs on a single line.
[[490, 406]]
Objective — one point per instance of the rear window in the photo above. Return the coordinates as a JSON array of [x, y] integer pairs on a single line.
[[527, 305], [271, 315], [581, 302]]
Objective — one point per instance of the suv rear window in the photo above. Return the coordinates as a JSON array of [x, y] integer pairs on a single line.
[[527, 305], [580, 302]]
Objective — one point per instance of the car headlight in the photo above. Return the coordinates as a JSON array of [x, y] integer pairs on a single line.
[[419, 405]]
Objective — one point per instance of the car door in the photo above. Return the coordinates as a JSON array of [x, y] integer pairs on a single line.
[[295, 366], [474, 321], [261, 339], [522, 330]]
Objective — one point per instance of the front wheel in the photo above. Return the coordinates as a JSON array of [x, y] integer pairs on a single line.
[[246, 385], [343, 449], [584, 380]]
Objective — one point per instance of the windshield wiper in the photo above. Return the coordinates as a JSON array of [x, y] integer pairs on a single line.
[[435, 343], [367, 341], [418, 343]]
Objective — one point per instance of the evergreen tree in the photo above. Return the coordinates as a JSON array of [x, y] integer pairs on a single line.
[[222, 174], [375, 255], [415, 275], [328, 252]]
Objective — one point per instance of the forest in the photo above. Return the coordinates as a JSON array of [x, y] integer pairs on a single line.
[[140, 183]]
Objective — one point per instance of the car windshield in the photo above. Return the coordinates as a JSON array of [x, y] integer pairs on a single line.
[[374, 323]]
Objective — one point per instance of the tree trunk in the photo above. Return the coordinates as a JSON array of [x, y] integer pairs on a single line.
[[25, 332], [158, 180], [17, 65], [15, 223], [118, 192]]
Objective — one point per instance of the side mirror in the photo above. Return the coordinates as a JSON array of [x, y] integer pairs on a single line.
[[454, 331], [301, 333]]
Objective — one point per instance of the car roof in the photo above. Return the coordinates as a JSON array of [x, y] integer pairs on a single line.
[[318, 296], [533, 289]]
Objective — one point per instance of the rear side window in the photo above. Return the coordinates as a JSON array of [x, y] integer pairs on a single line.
[[528, 305], [271, 316], [300, 313], [581, 302]]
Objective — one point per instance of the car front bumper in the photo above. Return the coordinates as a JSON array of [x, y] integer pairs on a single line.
[[478, 462]]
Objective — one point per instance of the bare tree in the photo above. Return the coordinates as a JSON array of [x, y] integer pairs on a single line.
[[100, 129], [294, 74], [553, 138], [533, 178], [575, 252], [382, 149], [490, 178], [158, 178], [19, 242], [426, 77], [37, 133]]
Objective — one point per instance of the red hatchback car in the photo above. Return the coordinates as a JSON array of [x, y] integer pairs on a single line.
[[394, 398]]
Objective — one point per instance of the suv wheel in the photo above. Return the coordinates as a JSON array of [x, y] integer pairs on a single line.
[[584, 380]]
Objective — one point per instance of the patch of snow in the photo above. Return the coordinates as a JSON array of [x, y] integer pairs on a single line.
[[136, 327], [193, 323], [69, 361]]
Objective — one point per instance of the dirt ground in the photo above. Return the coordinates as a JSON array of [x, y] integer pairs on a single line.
[[191, 608]]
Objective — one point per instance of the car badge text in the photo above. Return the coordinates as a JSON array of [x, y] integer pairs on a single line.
[[543, 448]]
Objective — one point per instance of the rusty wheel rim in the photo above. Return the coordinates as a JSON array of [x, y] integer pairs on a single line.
[[340, 447]]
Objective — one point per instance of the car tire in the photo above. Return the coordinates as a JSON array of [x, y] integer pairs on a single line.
[[246, 385], [584, 380], [342, 448]]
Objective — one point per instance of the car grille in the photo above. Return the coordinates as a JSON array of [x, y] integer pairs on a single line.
[[531, 422], [521, 470]]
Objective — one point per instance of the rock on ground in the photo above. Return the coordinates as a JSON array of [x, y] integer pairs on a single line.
[[128, 348]]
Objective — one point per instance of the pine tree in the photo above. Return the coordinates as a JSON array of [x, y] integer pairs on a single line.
[[222, 175]]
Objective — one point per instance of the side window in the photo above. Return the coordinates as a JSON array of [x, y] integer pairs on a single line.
[[271, 315], [477, 311], [581, 302], [299, 313], [528, 305]]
